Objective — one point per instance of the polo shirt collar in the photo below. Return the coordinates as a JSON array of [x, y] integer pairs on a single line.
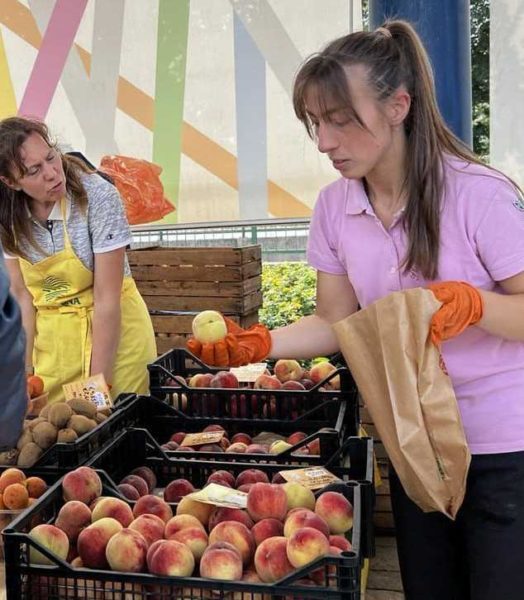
[[357, 200], [56, 212]]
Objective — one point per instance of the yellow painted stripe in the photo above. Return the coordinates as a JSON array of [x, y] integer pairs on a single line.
[[141, 107], [7, 94]]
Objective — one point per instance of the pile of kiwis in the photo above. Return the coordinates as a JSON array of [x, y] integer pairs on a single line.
[[58, 422]]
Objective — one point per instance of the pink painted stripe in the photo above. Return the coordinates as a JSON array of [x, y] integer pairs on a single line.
[[47, 69]]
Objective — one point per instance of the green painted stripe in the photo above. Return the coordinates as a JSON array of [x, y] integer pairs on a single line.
[[173, 24]]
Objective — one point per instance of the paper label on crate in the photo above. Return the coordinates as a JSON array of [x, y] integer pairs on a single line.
[[310, 477], [220, 495], [204, 437], [94, 389], [248, 373]]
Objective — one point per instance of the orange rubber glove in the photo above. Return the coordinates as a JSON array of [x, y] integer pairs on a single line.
[[461, 306], [239, 347]]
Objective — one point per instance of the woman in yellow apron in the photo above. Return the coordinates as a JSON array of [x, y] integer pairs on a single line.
[[64, 232]]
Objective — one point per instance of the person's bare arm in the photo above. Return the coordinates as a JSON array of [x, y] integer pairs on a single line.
[[504, 313], [313, 335]]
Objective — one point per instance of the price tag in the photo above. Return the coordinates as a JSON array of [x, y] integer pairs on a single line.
[[220, 495], [204, 437], [94, 389], [313, 478], [248, 373]]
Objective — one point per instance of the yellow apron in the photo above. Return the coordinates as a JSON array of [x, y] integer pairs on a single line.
[[62, 290]]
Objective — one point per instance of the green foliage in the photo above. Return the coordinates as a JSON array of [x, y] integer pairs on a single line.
[[289, 293], [480, 75]]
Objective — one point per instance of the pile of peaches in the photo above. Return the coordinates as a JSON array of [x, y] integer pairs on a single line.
[[284, 527]]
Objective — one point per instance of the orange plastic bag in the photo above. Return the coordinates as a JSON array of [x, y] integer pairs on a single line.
[[138, 182]]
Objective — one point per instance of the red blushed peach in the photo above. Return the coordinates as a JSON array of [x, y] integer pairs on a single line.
[[82, 484], [178, 437], [126, 551], [177, 489], [51, 538], [237, 447], [245, 487], [150, 527], [171, 559], [115, 508], [92, 542], [214, 427], [236, 534], [293, 385], [179, 522], [341, 542], [336, 510], [224, 379], [243, 438], [298, 496], [195, 538], [128, 491], [277, 478], [221, 476], [296, 437], [257, 449], [223, 513], [303, 517], [306, 544], [251, 476], [314, 447], [288, 369], [138, 483], [267, 528], [271, 561], [320, 371], [221, 563], [152, 505], [147, 475], [200, 510], [200, 380], [267, 382], [210, 448], [266, 500], [72, 518]]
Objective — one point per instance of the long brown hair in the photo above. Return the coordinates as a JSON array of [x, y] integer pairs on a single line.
[[15, 227], [393, 56]]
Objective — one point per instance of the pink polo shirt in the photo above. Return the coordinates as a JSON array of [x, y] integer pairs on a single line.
[[482, 242]]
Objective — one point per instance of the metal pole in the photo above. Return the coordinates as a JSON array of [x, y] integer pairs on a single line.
[[444, 26]]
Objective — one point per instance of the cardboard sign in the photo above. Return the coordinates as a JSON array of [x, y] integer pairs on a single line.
[[248, 373], [313, 478], [204, 437], [220, 495], [94, 389]]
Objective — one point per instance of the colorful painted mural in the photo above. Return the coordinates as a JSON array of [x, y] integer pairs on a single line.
[[200, 87]]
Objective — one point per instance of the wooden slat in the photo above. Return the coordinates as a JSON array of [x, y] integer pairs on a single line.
[[195, 256], [241, 306], [232, 289], [195, 273]]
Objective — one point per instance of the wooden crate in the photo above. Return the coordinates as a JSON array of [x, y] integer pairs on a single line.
[[188, 280]]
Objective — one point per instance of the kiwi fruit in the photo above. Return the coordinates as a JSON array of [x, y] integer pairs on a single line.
[[34, 422], [59, 414], [81, 424], [82, 407], [44, 412], [29, 454], [99, 417], [24, 439], [67, 435], [45, 435]]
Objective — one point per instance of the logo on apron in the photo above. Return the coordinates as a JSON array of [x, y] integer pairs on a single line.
[[54, 288]]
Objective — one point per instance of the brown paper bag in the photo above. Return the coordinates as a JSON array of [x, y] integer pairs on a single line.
[[400, 376]]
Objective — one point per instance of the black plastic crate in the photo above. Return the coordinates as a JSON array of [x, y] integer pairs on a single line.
[[264, 405], [25, 581], [136, 447]]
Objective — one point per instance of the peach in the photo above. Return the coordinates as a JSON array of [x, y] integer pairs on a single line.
[[138, 483], [126, 551], [200, 510], [305, 545], [35, 486], [221, 476], [303, 517], [298, 496], [266, 500], [128, 491], [245, 487], [250, 576], [243, 438], [82, 484], [10, 476], [51, 538], [267, 528], [171, 558], [115, 508], [72, 518], [257, 449], [92, 542], [279, 446], [288, 369], [277, 478], [224, 513], [314, 447], [178, 437], [271, 561], [238, 447], [251, 476], [209, 327], [267, 382], [177, 489], [150, 527], [147, 475], [15, 496], [179, 522], [236, 534], [296, 437], [152, 505], [195, 538], [336, 510], [221, 562], [293, 385], [214, 427], [340, 542], [307, 383], [210, 448], [224, 379], [200, 380], [321, 370]]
